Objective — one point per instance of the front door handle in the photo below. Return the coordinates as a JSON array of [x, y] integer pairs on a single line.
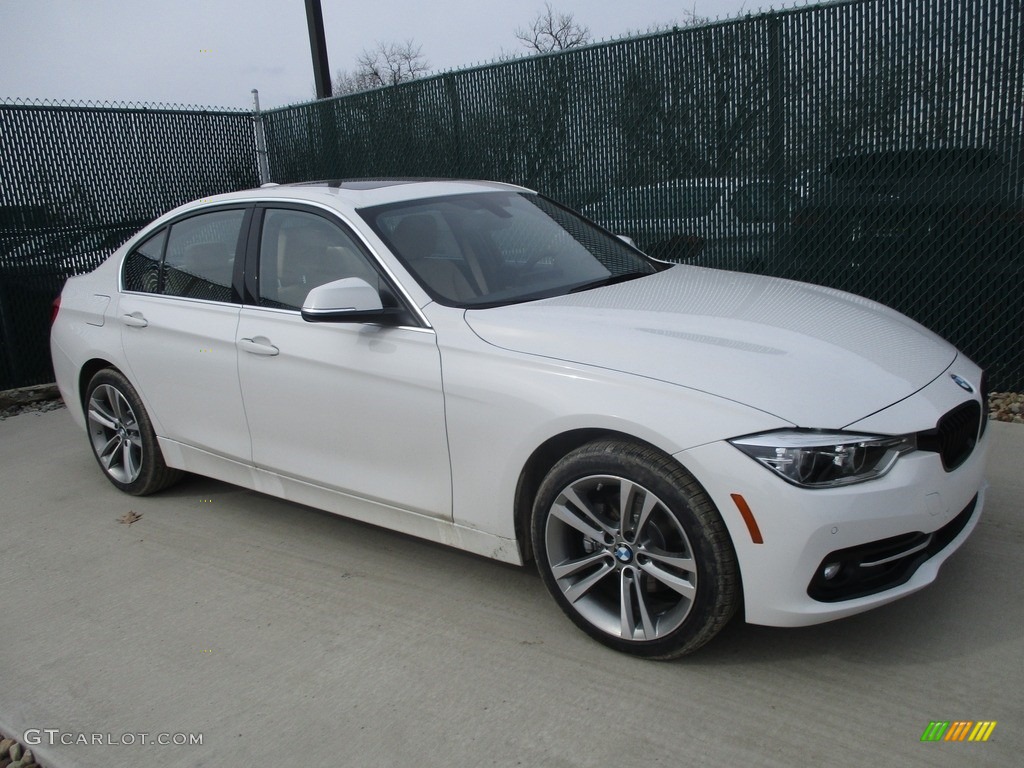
[[260, 345], [135, 320]]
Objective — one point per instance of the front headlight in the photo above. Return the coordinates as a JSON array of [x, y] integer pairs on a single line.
[[825, 459]]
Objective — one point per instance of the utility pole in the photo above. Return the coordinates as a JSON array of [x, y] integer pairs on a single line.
[[261, 138], [318, 47]]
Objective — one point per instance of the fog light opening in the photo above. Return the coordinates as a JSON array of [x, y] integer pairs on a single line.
[[830, 571]]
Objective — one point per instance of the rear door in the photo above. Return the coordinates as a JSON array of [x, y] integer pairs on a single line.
[[179, 313]]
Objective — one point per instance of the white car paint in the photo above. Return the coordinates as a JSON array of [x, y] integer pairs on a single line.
[[342, 406], [749, 334], [427, 428]]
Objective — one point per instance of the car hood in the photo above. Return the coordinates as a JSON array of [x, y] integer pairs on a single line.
[[813, 356]]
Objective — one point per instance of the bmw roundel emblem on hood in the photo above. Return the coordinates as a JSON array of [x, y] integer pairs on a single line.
[[962, 382]]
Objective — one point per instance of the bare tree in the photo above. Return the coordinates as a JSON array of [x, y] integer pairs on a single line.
[[553, 31], [386, 64], [346, 82]]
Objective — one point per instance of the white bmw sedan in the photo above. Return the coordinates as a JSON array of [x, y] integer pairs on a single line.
[[473, 364]]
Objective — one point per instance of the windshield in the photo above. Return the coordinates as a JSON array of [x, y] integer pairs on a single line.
[[487, 249]]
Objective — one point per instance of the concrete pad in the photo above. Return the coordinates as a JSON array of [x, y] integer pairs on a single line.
[[286, 636]]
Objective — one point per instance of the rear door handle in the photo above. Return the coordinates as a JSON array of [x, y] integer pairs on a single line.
[[135, 320], [259, 345]]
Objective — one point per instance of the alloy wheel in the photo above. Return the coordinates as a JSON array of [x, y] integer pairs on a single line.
[[115, 433], [621, 558]]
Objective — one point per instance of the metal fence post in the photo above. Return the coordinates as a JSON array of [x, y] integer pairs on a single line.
[[779, 167], [261, 138]]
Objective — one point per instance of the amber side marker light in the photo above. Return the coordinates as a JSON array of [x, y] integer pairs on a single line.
[[748, 518]]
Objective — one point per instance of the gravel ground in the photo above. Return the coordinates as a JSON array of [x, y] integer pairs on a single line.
[[15, 755], [42, 397], [1006, 406], [40, 406]]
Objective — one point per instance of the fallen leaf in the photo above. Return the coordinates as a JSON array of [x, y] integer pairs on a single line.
[[129, 518]]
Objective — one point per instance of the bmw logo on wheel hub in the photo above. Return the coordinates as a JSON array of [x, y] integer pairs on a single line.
[[623, 553]]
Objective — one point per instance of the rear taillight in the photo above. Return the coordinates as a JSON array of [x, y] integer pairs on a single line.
[[54, 309]]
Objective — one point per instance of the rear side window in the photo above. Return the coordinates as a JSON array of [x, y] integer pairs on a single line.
[[194, 258], [200, 256], [142, 267]]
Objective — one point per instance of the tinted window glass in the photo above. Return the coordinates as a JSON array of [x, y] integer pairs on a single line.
[[142, 267], [498, 248], [299, 251], [201, 255]]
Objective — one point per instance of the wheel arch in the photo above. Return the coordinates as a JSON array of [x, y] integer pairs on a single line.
[[86, 373], [684, 529], [541, 461], [131, 433]]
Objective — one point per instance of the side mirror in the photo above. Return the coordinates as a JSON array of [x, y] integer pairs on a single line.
[[350, 300]]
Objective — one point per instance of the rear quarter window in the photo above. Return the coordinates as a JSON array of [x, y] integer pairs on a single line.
[[192, 258], [141, 270]]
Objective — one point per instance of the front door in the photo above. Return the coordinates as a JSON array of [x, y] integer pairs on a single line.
[[353, 407]]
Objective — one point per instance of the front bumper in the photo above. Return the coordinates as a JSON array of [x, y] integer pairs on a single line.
[[889, 535]]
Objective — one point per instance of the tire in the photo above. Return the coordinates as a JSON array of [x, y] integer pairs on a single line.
[[659, 586], [122, 436]]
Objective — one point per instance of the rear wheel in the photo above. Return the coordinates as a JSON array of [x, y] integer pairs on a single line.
[[122, 436], [634, 551]]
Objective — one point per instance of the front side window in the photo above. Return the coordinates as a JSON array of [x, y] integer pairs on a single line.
[[496, 248], [301, 250]]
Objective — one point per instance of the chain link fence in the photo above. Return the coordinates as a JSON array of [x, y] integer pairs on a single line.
[[77, 182], [875, 146]]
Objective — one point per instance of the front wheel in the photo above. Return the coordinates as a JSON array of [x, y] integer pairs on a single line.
[[634, 551], [122, 437]]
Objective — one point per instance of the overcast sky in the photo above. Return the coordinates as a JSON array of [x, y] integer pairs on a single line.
[[214, 52]]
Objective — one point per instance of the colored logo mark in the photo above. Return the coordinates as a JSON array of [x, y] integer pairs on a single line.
[[961, 382], [958, 730]]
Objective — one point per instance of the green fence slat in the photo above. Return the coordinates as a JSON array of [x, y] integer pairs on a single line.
[[875, 146]]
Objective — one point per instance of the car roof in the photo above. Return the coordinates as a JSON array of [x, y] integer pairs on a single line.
[[357, 193]]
